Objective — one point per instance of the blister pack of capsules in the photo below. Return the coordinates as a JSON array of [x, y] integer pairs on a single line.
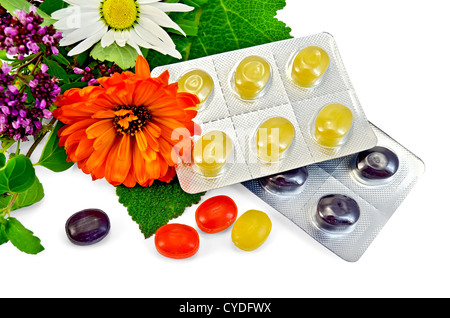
[[344, 203], [267, 109]]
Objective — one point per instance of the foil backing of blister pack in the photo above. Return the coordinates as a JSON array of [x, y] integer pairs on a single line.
[[225, 111], [377, 200]]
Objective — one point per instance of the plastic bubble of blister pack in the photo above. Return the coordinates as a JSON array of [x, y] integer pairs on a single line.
[[343, 203], [269, 108]]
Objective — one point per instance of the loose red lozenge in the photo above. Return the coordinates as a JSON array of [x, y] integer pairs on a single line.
[[177, 240], [216, 214]]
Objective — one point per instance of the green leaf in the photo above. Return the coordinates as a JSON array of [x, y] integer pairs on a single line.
[[228, 25], [21, 237], [66, 87], [53, 156], [151, 207], [195, 3], [2, 160], [18, 175], [3, 237], [54, 69], [50, 6], [13, 5], [189, 27], [125, 57], [34, 194]]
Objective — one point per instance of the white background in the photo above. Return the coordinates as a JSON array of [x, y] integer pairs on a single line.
[[397, 56]]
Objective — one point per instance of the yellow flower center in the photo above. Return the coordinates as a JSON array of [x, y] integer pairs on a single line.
[[119, 14]]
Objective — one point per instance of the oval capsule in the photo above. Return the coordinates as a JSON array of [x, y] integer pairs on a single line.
[[197, 82], [216, 214], [273, 138], [177, 241], [377, 163], [309, 66], [251, 230], [87, 226], [332, 125], [211, 152], [251, 77], [286, 183], [337, 212]]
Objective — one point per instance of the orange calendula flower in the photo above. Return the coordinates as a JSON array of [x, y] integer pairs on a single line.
[[129, 130]]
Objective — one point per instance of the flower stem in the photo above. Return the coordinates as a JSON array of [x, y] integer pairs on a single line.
[[29, 153], [37, 141]]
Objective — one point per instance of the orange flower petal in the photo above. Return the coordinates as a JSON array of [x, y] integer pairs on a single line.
[[142, 68], [99, 128]]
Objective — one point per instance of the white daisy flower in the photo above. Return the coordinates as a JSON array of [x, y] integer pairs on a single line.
[[137, 23]]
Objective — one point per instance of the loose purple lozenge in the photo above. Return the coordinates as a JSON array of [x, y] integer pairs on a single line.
[[337, 212], [289, 182], [87, 227], [377, 163]]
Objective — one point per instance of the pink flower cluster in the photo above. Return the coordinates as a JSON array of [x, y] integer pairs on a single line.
[[21, 35], [19, 119]]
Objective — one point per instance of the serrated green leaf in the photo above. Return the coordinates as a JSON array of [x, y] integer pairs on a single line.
[[18, 174], [34, 194], [152, 207], [3, 237], [228, 25], [53, 156], [21, 237], [13, 5], [125, 57]]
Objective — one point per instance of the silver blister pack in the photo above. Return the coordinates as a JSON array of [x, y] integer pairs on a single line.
[[343, 203], [225, 110]]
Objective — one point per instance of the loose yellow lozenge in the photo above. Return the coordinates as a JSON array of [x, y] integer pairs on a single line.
[[211, 152], [273, 138], [196, 82], [309, 65], [332, 125], [251, 76], [251, 230]]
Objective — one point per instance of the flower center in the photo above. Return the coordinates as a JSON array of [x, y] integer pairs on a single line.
[[130, 119], [119, 14]]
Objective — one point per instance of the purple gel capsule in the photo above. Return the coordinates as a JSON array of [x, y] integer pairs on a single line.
[[377, 163], [87, 227], [287, 183], [337, 212]]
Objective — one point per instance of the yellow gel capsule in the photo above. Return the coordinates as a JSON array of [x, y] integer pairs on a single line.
[[309, 65], [251, 76], [211, 152], [251, 230], [196, 82], [332, 124], [273, 138]]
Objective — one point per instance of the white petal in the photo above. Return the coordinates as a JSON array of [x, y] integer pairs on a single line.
[[121, 37], [135, 46], [84, 3], [154, 45], [82, 33], [134, 36], [108, 38], [159, 17], [149, 37], [147, 1], [172, 7], [155, 30], [86, 44], [77, 20]]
